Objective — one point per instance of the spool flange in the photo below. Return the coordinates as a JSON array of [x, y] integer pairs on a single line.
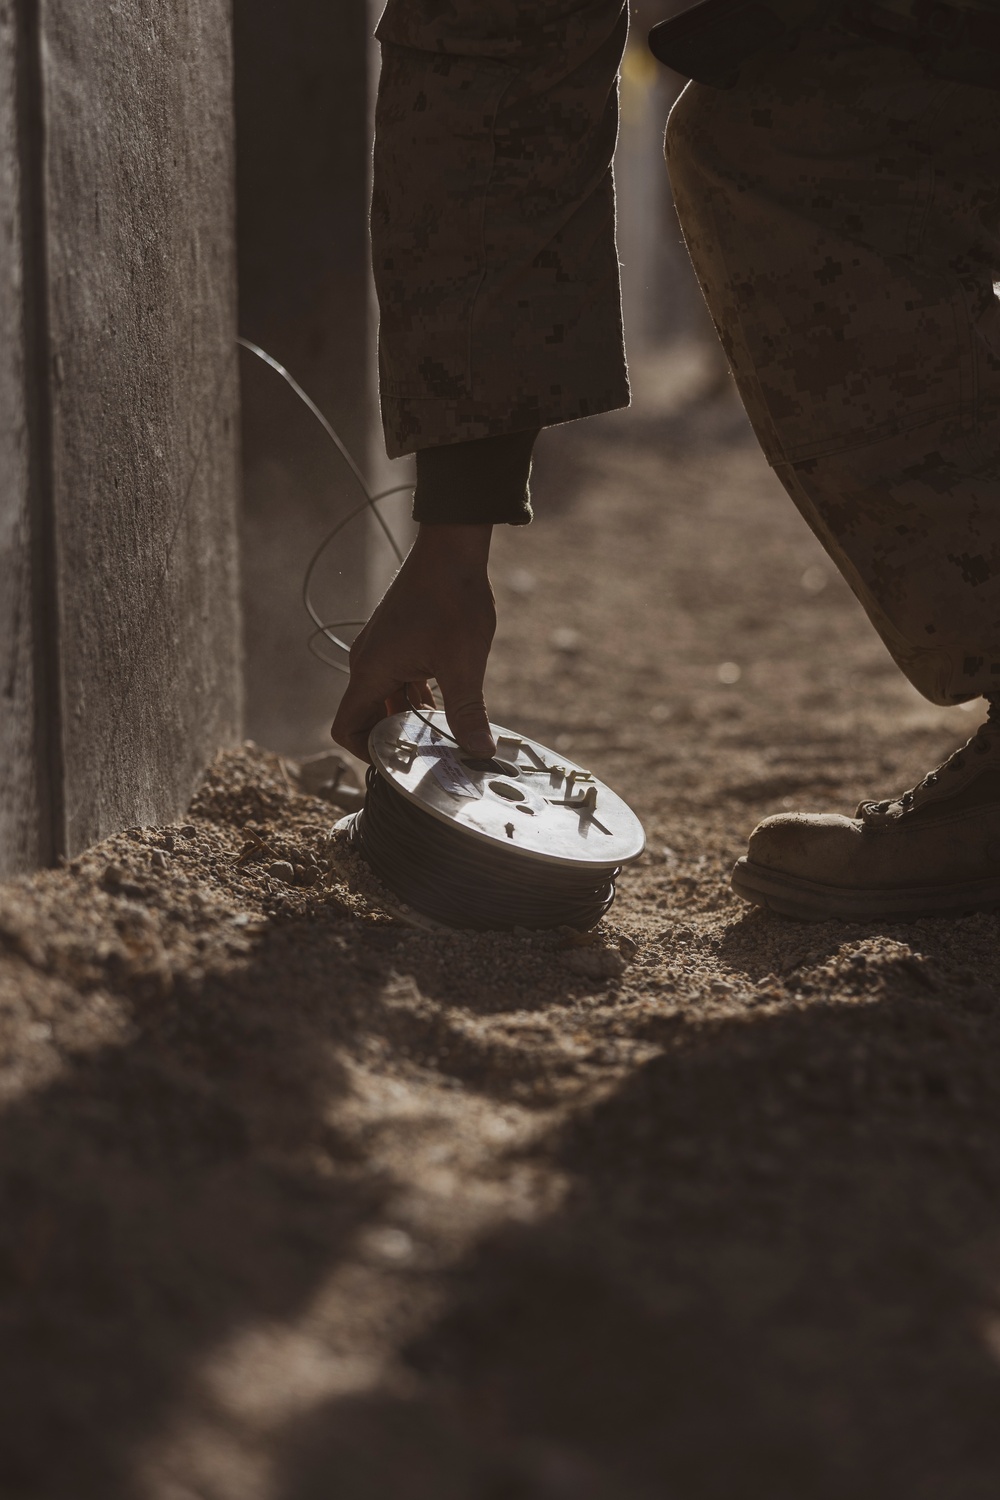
[[526, 797]]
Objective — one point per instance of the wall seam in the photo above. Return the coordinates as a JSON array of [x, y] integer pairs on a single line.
[[38, 399]]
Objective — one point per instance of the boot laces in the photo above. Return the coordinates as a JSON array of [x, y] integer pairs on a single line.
[[980, 743]]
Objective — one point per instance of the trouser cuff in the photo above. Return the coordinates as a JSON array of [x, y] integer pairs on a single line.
[[478, 483]]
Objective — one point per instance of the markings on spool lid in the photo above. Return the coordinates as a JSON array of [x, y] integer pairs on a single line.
[[445, 765], [571, 817]]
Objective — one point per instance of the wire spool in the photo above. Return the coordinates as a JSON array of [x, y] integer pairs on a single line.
[[526, 839]]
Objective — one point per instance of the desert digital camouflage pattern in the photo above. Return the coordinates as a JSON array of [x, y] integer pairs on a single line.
[[493, 216], [842, 210]]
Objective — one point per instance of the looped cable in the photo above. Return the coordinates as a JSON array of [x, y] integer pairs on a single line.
[[370, 502]]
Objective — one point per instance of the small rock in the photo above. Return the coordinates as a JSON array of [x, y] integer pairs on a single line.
[[282, 870], [386, 1243], [23, 943], [566, 639], [187, 832], [158, 859], [350, 798], [594, 963], [119, 882], [522, 582], [134, 922], [572, 937], [319, 774]]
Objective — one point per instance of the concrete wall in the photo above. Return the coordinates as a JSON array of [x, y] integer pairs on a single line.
[[303, 153], [126, 407]]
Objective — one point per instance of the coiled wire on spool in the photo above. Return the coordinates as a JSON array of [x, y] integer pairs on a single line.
[[525, 839], [445, 876]]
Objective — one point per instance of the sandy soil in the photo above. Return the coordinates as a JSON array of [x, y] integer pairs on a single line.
[[303, 1204]]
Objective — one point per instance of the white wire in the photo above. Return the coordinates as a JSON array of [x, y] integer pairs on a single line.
[[370, 502]]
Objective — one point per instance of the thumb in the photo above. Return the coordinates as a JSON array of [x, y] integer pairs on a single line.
[[465, 710]]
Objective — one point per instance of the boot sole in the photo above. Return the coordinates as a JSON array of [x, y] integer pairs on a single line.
[[792, 896]]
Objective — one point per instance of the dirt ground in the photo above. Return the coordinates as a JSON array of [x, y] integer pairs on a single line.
[[305, 1204]]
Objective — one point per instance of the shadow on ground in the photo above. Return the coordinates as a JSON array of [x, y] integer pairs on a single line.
[[156, 1196], [775, 1271], [776, 1275]]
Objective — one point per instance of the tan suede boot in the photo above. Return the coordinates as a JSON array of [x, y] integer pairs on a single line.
[[933, 851]]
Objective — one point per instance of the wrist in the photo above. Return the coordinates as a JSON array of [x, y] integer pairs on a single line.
[[454, 545]]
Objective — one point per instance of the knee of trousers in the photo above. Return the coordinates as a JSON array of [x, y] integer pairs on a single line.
[[699, 132], [703, 141]]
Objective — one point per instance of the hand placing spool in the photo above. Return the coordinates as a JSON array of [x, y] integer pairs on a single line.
[[525, 839]]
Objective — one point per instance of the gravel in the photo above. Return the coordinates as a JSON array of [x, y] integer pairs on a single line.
[[301, 1198]]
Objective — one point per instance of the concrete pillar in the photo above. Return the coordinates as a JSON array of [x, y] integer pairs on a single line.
[[303, 153], [119, 405]]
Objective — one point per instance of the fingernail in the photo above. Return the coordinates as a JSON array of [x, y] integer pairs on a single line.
[[481, 744]]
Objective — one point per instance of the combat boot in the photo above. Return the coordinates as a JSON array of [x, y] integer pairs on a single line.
[[933, 851]]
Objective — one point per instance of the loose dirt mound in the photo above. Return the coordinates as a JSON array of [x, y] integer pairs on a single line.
[[302, 1202]]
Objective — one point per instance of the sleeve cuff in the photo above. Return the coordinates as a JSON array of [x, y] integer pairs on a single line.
[[478, 483]]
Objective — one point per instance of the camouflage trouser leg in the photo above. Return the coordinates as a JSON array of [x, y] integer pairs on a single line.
[[841, 208], [493, 216]]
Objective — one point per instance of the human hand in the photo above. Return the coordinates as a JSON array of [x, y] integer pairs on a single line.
[[437, 619]]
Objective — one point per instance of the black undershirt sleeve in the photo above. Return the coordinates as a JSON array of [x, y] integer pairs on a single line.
[[478, 483]]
